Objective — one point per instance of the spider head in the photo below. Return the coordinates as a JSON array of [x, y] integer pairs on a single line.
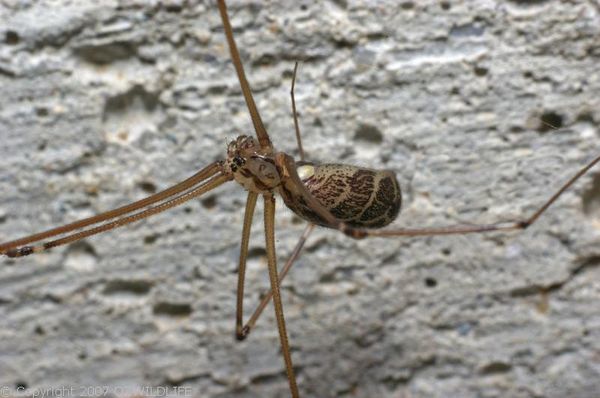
[[251, 166], [239, 150]]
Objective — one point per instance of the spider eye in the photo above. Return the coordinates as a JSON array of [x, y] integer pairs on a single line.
[[239, 161]]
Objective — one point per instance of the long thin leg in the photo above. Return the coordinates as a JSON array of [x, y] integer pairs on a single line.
[[270, 243], [200, 176], [176, 201], [248, 215], [284, 271], [291, 177], [261, 133], [296, 125]]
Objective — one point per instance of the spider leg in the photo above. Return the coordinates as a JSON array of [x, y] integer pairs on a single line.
[[192, 181], [296, 125], [291, 177], [16, 251], [274, 279], [240, 332], [261, 132], [284, 271]]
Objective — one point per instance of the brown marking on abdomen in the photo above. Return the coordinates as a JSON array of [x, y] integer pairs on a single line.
[[358, 196]]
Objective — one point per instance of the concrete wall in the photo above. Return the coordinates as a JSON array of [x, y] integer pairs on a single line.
[[106, 102]]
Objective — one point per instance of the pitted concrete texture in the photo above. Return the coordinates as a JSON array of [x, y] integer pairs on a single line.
[[483, 108]]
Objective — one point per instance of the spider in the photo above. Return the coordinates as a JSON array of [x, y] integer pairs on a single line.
[[355, 200]]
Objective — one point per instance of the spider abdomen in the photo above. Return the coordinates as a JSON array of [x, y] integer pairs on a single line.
[[358, 196]]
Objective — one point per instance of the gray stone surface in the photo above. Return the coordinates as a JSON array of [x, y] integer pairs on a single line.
[[105, 102]]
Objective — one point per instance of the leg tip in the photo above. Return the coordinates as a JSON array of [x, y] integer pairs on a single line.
[[241, 334]]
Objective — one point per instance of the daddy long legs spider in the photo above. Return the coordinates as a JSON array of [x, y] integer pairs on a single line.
[[365, 130]]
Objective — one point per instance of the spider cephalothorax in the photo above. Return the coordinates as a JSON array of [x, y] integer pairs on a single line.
[[251, 166]]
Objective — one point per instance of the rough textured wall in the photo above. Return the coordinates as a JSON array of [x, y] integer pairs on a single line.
[[106, 102]]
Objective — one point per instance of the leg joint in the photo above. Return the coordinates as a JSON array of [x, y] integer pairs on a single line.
[[523, 224], [354, 233]]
